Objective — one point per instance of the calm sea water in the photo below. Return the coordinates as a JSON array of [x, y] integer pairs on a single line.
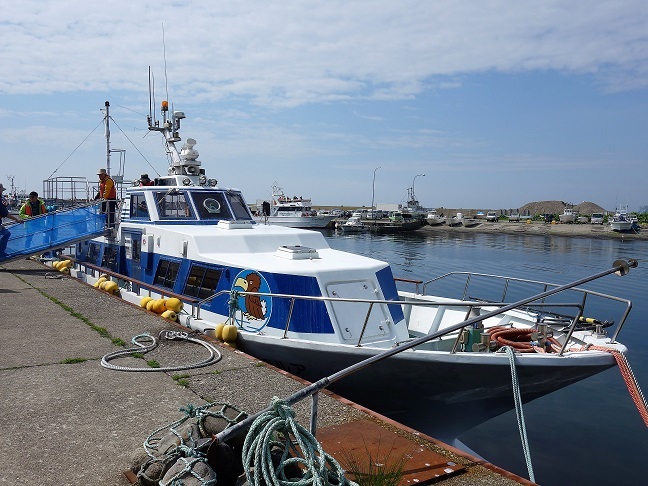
[[589, 433]]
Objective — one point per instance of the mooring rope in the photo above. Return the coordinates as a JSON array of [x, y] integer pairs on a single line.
[[517, 397], [214, 354], [278, 429], [628, 377]]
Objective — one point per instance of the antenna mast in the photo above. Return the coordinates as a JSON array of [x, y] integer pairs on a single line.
[[107, 121]]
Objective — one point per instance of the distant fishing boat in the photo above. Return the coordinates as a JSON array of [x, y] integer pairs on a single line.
[[568, 215], [434, 219], [353, 225], [621, 220], [295, 212]]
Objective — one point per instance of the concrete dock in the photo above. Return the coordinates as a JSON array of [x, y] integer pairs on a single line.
[[536, 228], [69, 421]]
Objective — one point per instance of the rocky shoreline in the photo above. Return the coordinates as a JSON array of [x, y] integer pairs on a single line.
[[584, 230]]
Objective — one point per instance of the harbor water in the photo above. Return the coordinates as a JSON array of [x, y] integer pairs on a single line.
[[589, 433]]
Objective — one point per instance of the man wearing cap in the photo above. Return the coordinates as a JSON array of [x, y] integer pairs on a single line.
[[145, 181], [108, 192], [4, 233]]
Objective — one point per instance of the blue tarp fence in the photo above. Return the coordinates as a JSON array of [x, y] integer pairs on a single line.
[[52, 230]]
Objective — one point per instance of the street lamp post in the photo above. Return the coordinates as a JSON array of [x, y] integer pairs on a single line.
[[413, 198], [373, 192]]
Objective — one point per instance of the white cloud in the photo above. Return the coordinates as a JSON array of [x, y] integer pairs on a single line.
[[289, 53], [309, 89]]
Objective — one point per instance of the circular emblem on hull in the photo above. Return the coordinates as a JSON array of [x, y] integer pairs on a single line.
[[255, 310]]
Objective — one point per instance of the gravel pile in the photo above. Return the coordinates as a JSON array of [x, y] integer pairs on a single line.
[[557, 207]]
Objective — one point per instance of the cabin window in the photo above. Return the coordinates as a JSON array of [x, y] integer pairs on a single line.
[[202, 282], [93, 253], [138, 208], [239, 207], [110, 257], [211, 205], [173, 205], [136, 248], [166, 274]]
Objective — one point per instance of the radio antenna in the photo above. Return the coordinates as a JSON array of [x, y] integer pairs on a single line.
[[166, 84], [152, 118]]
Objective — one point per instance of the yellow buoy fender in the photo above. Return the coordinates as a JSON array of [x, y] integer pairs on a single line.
[[171, 315], [149, 305], [64, 270], [65, 263], [55, 264], [145, 300], [230, 331], [218, 330], [174, 304], [111, 287], [159, 306]]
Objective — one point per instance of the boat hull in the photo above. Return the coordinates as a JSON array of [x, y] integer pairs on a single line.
[[300, 221], [353, 228], [435, 221], [389, 227], [621, 225], [438, 393]]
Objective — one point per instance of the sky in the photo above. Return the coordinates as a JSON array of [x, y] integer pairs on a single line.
[[484, 105]]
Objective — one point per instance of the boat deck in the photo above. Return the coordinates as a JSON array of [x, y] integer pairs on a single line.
[[71, 421]]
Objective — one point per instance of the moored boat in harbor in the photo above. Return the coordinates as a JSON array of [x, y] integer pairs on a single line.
[[315, 311], [353, 225], [294, 212]]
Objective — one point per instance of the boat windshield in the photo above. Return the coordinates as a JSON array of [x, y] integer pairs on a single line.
[[220, 205], [173, 204], [203, 205]]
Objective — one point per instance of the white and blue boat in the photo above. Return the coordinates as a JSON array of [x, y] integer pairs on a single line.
[[313, 311]]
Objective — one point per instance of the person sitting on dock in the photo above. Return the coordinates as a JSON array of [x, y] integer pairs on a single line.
[[34, 206]]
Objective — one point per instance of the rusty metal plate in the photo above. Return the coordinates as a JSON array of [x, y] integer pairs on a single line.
[[364, 440]]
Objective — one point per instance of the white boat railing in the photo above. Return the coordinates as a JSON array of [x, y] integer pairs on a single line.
[[506, 281]]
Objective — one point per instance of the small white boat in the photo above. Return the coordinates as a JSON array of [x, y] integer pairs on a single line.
[[621, 220], [353, 225], [470, 222], [568, 215], [456, 220], [434, 219], [294, 212]]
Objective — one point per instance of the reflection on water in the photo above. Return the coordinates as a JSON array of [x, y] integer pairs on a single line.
[[579, 435]]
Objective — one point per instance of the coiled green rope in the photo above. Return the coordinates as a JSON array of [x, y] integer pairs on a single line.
[[277, 429]]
